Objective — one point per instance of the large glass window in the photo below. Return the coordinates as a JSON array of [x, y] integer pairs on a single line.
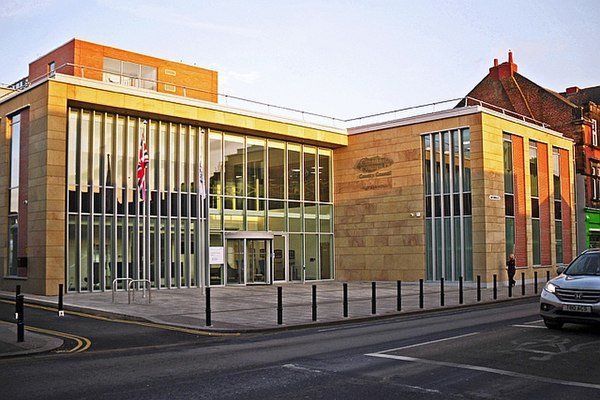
[[13, 190], [447, 180], [111, 234], [557, 205], [509, 196], [129, 74], [535, 203]]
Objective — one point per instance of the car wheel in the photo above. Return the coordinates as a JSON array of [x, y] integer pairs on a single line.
[[552, 324]]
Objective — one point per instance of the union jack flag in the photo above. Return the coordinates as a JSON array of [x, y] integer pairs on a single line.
[[143, 161]]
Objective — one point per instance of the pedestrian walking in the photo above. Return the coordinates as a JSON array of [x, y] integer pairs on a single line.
[[511, 268]]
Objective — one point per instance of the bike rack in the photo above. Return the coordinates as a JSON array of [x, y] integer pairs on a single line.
[[144, 281], [114, 287]]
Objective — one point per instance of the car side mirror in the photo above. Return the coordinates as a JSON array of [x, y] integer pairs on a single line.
[[561, 269]]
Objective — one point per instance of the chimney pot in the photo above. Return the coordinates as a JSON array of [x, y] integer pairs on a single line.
[[510, 57], [572, 89], [495, 62]]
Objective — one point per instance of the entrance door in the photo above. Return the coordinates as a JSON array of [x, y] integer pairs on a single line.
[[258, 253], [279, 265], [248, 258], [236, 265]]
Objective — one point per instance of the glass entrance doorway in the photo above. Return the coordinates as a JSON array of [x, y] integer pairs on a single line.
[[252, 258]]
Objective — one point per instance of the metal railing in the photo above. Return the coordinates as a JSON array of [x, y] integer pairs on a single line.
[[114, 286], [272, 109], [131, 292]]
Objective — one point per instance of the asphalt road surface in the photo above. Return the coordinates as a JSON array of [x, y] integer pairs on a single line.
[[499, 351]]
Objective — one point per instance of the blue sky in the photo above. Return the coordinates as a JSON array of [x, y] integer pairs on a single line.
[[339, 58]]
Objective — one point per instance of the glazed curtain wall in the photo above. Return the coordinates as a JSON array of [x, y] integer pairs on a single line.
[[448, 222], [252, 184], [255, 184], [106, 220]]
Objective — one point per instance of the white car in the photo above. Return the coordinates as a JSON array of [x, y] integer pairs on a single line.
[[574, 295]]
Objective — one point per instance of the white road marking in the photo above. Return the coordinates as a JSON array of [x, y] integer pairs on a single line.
[[530, 326], [301, 368], [430, 342], [488, 370]]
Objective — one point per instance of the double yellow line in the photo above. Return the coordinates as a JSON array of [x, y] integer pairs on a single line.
[[83, 343]]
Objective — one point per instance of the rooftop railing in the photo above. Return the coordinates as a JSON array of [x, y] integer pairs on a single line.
[[271, 109]]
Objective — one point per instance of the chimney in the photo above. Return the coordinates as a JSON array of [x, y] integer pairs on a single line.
[[504, 70], [572, 89]]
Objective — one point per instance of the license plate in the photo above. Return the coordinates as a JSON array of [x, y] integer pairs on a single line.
[[576, 308]]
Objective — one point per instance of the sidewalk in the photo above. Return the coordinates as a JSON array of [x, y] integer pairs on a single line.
[[254, 308]]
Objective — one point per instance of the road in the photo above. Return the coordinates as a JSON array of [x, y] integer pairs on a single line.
[[499, 351]]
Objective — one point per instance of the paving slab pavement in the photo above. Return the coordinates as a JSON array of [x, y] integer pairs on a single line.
[[255, 308]]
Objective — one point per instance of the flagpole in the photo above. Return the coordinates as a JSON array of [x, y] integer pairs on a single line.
[[204, 222]]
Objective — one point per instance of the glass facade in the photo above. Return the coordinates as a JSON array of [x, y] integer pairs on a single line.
[[535, 204], [263, 189], [448, 223], [13, 194], [558, 235], [273, 195], [509, 196]]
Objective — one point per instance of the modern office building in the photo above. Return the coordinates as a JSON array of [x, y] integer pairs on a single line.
[[237, 197], [233, 196]]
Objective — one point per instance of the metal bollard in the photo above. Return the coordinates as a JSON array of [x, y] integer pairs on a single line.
[[17, 292], [279, 305], [61, 310], [535, 282], [495, 287], [314, 302], [460, 290], [442, 292], [20, 320], [547, 276], [208, 311], [478, 288], [522, 283], [345, 300], [399, 297], [373, 297], [420, 293]]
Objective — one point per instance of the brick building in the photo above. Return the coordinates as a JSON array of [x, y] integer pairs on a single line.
[[574, 113]]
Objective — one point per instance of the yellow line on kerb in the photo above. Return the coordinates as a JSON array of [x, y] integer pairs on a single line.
[[83, 343], [123, 321]]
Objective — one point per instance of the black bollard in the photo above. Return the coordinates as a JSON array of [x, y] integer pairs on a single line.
[[20, 320], [399, 297], [522, 283], [17, 293], [460, 290], [61, 311], [314, 302], [442, 292], [279, 305], [373, 297], [535, 282], [495, 287], [420, 293], [207, 299], [547, 276], [345, 300], [478, 288]]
